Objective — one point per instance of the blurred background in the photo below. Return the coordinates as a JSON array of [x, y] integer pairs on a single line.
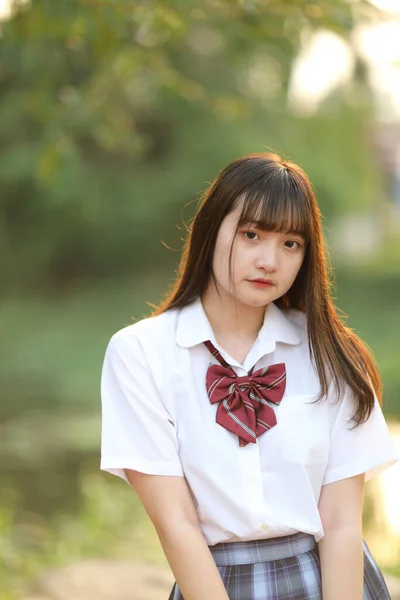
[[114, 117]]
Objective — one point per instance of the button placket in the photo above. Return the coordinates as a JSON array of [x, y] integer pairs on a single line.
[[249, 457], [251, 475]]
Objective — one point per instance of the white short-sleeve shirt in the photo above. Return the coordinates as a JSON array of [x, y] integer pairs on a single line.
[[157, 419]]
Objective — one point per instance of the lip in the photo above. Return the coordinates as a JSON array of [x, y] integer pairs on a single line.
[[262, 282]]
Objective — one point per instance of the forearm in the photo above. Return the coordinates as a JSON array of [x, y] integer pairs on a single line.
[[192, 563], [342, 564]]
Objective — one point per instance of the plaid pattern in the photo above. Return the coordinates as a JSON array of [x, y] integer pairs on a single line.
[[284, 568]]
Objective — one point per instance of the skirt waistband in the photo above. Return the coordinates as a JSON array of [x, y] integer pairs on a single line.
[[258, 551]]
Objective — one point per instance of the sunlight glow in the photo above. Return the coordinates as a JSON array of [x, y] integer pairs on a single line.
[[5, 9], [390, 6], [381, 49], [389, 482], [324, 63]]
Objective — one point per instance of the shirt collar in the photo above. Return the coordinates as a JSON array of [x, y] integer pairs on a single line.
[[193, 327]]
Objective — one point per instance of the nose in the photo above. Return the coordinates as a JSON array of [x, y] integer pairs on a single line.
[[267, 257]]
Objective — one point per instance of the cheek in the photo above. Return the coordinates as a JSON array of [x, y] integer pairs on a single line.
[[297, 266], [221, 259], [292, 268]]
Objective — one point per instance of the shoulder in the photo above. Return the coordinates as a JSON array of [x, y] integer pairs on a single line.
[[149, 333]]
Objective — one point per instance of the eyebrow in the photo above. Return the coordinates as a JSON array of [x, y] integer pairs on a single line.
[[262, 227]]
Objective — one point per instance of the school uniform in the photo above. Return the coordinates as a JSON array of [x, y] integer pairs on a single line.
[[257, 502]]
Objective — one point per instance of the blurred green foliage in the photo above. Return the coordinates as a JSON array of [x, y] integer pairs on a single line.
[[115, 114]]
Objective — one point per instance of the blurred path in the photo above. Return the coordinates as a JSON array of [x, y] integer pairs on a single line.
[[103, 580], [107, 580]]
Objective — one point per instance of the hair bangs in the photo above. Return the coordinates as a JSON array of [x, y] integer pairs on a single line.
[[281, 208]]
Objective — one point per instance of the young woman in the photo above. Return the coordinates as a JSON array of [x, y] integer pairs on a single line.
[[243, 412]]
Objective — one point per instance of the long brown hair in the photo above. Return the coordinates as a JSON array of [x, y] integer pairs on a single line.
[[278, 194]]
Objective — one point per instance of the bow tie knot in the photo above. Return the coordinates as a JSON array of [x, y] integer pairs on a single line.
[[243, 385]]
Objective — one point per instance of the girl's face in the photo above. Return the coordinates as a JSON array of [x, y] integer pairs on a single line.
[[264, 264]]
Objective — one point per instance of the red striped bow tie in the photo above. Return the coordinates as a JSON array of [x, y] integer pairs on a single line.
[[244, 401]]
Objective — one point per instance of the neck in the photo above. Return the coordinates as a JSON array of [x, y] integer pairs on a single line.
[[229, 318]]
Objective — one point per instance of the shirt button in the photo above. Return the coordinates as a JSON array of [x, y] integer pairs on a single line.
[[264, 527]]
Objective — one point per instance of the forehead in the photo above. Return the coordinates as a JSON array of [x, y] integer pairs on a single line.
[[270, 212]]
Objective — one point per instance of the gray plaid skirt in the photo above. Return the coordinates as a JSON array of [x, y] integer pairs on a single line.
[[285, 568]]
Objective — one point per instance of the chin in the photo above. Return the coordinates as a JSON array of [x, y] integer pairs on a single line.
[[255, 302]]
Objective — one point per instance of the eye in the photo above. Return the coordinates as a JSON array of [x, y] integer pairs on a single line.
[[250, 235], [292, 244]]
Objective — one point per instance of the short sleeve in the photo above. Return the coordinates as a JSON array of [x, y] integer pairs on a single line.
[[367, 448], [137, 431]]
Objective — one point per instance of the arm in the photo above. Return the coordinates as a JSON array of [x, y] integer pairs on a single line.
[[170, 507], [340, 550]]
